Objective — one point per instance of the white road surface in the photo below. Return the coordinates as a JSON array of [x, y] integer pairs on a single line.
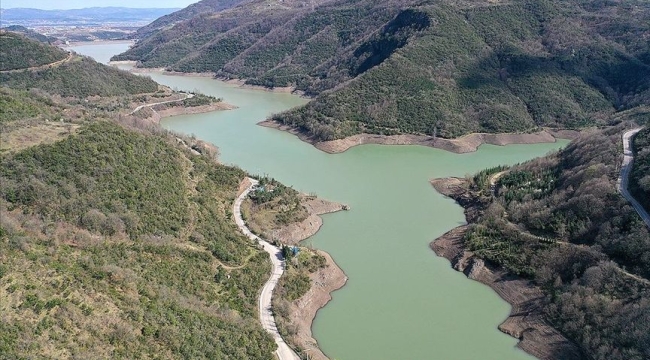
[[283, 352], [626, 168]]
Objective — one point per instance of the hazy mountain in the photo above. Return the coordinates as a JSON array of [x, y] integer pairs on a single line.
[[25, 16]]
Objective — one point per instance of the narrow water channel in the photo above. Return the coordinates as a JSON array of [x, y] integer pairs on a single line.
[[401, 300]]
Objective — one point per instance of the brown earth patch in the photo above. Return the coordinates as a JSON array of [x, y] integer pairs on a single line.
[[463, 144], [294, 233]]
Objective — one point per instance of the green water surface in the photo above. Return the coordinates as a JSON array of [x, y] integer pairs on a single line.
[[401, 300]]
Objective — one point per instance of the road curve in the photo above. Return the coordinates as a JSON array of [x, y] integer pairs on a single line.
[[626, 168], [283, 352]]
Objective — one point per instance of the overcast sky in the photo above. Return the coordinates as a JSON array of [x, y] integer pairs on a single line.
[[78, 4]]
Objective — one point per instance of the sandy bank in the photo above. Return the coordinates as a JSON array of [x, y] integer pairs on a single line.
[[463, 144], [303, 311], [294, 233], [526, 321], [156, 115]]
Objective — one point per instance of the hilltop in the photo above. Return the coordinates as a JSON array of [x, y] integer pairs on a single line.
[[19, 52], [439, 69]]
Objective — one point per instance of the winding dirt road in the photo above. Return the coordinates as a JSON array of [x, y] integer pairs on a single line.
[[283, 352], [626, 168]]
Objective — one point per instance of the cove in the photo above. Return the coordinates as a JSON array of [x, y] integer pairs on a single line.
[[401, 300]]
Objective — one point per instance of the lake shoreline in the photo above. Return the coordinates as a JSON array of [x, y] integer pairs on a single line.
[[461, 145], [526, 320]]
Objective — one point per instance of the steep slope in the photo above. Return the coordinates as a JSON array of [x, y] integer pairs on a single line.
[[436, 68], [103, 235], [560, 222], [19, 52]]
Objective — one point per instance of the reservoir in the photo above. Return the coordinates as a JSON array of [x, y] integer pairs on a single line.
[[401, 300]]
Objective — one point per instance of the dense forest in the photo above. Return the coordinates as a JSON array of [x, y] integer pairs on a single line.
[[436, 68], [559, 221], [114, 231], [19, 52]]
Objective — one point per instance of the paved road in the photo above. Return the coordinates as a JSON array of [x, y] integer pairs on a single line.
[[283, 352], [187, 96], [626, 168]]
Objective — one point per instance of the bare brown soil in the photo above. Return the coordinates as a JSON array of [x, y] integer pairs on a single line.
[[303, 311], [526, 321], [463, 144], [294, 233], [156, 115]]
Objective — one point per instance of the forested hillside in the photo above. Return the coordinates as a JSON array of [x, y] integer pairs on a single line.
[[116, 238], [78, 77], [437, 68], [30, 34], [560, 222], [19, 52], [116, 235]]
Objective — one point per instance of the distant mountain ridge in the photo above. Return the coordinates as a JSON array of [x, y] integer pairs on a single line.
[[440, 68], [102, 14]]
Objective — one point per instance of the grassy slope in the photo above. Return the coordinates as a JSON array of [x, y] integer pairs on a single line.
[[571, 197], [124, 255], [18, 52], [446, 68]]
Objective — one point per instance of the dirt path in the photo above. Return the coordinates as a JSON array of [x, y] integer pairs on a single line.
[[283, 352], [41, 67], [187, 96], [623, 178]]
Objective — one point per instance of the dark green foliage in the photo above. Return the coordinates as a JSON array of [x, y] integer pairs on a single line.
[[17, 105], [19, 52], [105, 179], [160, 289], [560, 221], [640, 175], [81, 77]]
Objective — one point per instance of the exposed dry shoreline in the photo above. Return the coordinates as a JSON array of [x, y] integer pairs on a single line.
[[157, 115], [526, 321], [463, 144]]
